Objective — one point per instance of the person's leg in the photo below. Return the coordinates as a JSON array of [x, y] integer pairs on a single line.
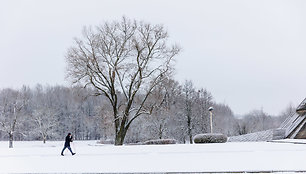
[[70, 150], [63, 150]]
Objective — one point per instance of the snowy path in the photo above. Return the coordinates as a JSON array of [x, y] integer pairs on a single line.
[[34, 157]]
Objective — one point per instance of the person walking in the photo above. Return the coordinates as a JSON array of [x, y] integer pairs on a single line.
[[69, 138]]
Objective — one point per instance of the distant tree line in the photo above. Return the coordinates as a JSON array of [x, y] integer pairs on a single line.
[[180, 112]]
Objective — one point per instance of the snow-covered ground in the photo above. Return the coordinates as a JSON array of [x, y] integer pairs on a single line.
[[35, 157]]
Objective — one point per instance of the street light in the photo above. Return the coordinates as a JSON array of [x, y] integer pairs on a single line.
[[210, 109]]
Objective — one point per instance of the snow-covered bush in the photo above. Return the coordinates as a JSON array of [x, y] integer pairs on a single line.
[[160, 141], [210, 138]]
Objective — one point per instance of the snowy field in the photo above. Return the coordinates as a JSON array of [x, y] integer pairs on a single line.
[[35, 157]]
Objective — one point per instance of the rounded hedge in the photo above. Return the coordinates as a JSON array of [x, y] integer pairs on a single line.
[[160, 141], [210, 138]]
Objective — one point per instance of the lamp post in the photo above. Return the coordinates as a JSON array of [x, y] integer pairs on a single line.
[[210, 109]]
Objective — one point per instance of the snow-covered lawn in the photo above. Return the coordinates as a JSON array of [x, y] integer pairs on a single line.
[[35, 157]]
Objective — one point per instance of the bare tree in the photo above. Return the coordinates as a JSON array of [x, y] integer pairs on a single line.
[[164, 93], [204, 101], [224, 120], [287, 112], [11, 104], [257, 120], [45, 121], [122, 58], [189, 96]]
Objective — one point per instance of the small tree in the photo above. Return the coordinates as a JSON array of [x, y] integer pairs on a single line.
[[126, 58], [45, 121], [204, 101], [189, 97], [11, 104]]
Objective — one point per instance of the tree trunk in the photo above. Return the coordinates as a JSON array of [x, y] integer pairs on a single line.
[[190, 135], [11, 140], [189, 129], [119, 139], [160, 133]]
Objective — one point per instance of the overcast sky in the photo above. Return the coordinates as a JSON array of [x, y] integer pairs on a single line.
[[249, 54]]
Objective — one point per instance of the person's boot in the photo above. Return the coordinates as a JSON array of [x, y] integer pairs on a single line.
[[62, 154], [73, 153]]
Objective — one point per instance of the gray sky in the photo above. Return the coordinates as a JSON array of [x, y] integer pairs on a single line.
[[249, 54]]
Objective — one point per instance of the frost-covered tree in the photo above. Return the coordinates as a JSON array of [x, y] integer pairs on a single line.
[[11, 104], [45, 122], [203, 102], [189, 98], [258, 120], [224, 120], [166, 93], [124, 61], [287, 112]]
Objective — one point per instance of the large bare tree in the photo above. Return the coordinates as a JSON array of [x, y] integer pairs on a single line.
[[123, 58]]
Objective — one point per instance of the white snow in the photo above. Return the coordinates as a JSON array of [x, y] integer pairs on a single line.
[[36, 157]]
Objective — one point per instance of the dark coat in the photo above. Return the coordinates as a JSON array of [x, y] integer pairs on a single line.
[[68, 140]]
